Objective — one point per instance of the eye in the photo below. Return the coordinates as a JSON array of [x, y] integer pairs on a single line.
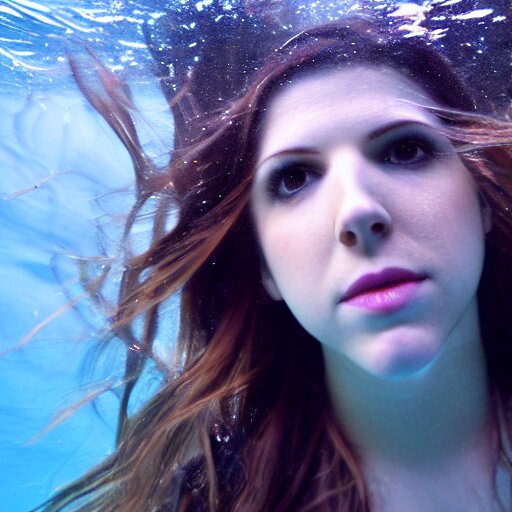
[[289, 179], [407, 152], [410, 145]]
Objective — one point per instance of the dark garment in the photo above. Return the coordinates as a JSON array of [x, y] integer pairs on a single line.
[[190, 489]]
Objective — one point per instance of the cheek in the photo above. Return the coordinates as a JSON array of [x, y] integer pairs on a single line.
[[447, 210], [462, 215], [296, 250], [456, 235], [288, 256]]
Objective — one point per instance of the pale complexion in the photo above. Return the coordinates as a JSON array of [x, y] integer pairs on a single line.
[[354, 177]]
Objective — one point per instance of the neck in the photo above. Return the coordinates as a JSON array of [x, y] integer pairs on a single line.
[[438, 417]]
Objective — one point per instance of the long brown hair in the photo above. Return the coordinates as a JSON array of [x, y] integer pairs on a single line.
[[243, 421]]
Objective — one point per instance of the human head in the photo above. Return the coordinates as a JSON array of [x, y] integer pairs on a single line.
[[352, 180], [348, 43], [242, 335]]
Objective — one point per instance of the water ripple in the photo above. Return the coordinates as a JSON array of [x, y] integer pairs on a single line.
[[35, 38]]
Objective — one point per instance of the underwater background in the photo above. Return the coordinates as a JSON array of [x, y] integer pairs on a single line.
[[67, 185]]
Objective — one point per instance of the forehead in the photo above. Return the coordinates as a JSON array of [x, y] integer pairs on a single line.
[[350, 102]]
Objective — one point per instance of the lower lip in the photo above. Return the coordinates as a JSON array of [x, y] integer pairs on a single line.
[[386, 299]]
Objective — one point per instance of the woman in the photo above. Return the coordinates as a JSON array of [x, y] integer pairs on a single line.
[[341, 251]]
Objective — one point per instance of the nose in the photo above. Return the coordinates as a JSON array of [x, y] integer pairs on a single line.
[[361, 220]]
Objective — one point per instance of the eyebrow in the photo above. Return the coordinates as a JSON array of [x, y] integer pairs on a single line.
[[302, 150], [396, 125]]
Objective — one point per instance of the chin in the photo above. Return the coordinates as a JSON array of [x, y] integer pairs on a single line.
[[403, 358]]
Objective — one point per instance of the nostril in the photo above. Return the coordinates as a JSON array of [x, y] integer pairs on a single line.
[[378, 228], [348, 238]]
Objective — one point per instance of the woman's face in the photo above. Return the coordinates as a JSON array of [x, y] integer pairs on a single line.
[[369, 223]]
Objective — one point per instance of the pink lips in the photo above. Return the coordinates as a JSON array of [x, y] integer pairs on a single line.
[[384, 291]]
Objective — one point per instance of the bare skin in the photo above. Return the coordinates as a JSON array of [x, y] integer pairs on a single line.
[[351, 181]]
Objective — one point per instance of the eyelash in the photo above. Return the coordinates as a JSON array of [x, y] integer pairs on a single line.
[[278, 190], [277, 180], [427, 147]]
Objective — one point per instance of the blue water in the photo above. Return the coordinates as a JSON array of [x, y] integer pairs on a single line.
[[67, 184], [63, 174]]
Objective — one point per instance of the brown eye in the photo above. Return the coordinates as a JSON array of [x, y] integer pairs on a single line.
[[406, 153], [293, 179], [410, 146], [289, 179]]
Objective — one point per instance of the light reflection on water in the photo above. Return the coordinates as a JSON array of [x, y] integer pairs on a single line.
[[67, 182], [35, 37]]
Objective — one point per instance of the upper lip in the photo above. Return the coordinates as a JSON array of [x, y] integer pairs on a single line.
[[381, 279]]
